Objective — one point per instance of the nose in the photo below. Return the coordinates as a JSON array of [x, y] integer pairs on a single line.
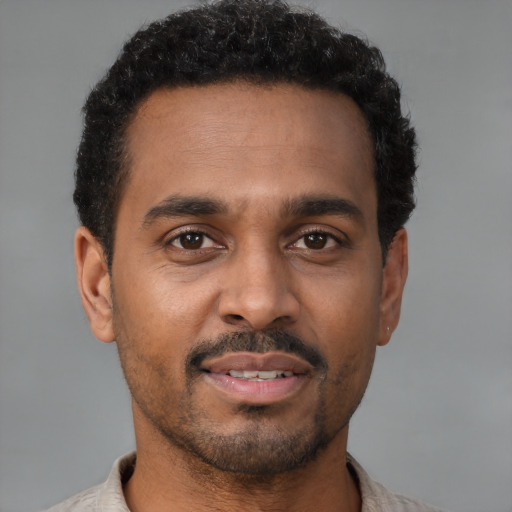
[[258, 293]]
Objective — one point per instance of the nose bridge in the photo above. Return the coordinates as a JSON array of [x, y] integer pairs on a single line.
[[257, 292]]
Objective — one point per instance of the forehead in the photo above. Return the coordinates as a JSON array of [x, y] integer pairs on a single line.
[[246, 142]]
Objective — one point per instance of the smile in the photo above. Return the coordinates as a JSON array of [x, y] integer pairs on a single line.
[[256, 379], [260, 375], [250, 365]]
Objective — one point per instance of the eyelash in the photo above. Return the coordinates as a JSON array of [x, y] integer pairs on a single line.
[[318, 231], [186, 231], [312, 231]]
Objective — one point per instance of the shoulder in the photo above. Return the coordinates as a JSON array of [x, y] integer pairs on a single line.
[[85, 501], [106, 497], [393, 502], [376, 498]]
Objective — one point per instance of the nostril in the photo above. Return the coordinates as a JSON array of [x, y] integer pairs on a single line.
[[234, 319]]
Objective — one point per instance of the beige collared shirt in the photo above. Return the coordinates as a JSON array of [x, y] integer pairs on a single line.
[[108, 497]]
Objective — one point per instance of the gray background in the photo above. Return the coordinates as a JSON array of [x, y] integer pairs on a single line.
[[436, 422]]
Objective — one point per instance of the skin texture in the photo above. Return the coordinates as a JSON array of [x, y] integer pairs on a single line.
[[245, 258]]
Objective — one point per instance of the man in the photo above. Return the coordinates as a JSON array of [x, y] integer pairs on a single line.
[[243, 180]]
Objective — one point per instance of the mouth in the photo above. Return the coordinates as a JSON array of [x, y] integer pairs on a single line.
[[256, 379], [260, 375]]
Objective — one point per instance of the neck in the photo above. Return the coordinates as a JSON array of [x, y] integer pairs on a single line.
[[168, 479]]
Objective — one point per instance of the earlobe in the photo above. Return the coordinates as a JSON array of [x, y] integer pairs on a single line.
[[393, 282], [94, 284]]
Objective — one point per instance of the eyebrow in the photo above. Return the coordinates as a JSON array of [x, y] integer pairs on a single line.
[[313, 206], [303, 206], [180, 206]]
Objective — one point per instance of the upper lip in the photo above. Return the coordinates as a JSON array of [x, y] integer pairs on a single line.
[[247, 361]]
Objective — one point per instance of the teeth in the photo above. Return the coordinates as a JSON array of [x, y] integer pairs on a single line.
[[261, 374], [267, 375]]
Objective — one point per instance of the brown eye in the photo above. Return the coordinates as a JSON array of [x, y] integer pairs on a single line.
[[316, 240], [192, 241]]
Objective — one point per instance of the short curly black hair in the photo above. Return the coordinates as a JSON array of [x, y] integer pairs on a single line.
[[260, 41]]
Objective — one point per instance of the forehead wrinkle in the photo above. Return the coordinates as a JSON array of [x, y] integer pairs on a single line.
[[203, 153], [276, 158]]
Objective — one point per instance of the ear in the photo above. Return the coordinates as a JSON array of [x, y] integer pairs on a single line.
[[393, 282], [94, 284]]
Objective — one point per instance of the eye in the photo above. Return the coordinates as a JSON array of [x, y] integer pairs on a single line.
[[192, 241], [316, 240]]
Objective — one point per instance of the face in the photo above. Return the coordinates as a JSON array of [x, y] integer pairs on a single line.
[[248, 289]]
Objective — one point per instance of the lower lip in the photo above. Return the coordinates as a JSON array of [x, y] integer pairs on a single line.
[[252, 392]]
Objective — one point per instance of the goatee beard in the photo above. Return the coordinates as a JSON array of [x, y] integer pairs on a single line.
[[260, 449]]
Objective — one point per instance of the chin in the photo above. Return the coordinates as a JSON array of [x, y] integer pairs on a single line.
[[258, 447]]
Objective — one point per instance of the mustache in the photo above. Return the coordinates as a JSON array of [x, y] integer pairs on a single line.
[[257, 342]]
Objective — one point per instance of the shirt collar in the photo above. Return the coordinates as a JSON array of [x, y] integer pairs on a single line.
[[110, 495]]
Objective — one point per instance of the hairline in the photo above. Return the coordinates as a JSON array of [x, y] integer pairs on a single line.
[[255, 80]]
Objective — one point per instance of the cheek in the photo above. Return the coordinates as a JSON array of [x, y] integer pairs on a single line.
[[150, 336], [349, 346], [154, 384], [346, 313], [346, 329], [153, 307], [345, 387]]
